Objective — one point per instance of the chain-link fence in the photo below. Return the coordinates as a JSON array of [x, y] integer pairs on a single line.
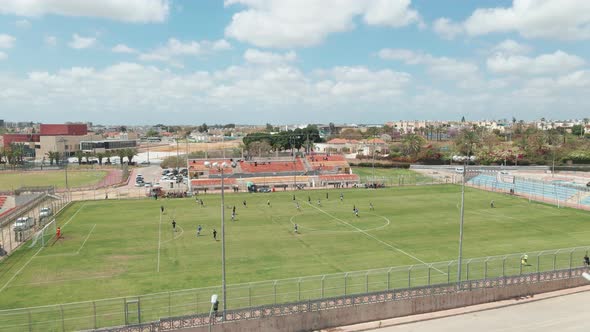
[[152, 307]]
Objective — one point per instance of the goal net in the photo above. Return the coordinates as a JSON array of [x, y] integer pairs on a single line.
[[42, 237]]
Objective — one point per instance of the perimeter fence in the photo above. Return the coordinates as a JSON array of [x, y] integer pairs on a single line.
[[154, 307]]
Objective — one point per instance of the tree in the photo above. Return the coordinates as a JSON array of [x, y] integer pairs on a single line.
[[79, 155], [203, 128], [100, 156], [121, 154], [87, 155], [412, 144], [108, 154], [577, 130], [466, 142], [152, 133], [130, 153]]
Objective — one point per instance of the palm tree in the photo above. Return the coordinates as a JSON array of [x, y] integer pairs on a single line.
[[79, 155], [121, 154], [100, 156], [87, 155], [412, 144], [467, 141], [130, 153], [108, 154]]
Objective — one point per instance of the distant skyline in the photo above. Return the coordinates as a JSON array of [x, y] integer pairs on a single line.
[[293, 61]]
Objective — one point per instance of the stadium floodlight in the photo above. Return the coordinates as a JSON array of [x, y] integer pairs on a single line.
[[465, 160], [221, 167]]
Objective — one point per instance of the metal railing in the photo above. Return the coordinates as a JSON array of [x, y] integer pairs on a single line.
[[201, 320], [152, 307]]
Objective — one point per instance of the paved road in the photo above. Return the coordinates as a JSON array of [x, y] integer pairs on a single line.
[[564, 314]]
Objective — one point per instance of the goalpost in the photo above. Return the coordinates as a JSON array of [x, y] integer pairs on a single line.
[[43, 236]]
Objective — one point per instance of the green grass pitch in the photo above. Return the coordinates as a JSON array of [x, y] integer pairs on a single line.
[[126, 247], [11, 180]]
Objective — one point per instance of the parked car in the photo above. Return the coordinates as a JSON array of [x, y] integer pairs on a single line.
[[459, 170], [24, 223], [145, 162], [45, 212], [264, 189]]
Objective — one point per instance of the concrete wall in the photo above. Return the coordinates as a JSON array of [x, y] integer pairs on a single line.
[[308, 321]]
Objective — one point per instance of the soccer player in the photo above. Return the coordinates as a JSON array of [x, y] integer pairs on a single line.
[[341, 197], [233, 210], [174, 225], [202, 203], [309, 199], [371, 207], [586, 260], [297, 205], [293, 197], [233, 216], [244, 202], [326, 195], [214, 234], [268, 202], [492, 204], [319, 202], [199, 229], [525, 260], [58, 233], [356, 212], [296, 228]]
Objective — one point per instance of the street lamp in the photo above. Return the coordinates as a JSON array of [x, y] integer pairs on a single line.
[[221, 167], [465, 160]]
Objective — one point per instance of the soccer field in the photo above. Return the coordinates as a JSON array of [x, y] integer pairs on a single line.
[[12, 180], [127, 247]]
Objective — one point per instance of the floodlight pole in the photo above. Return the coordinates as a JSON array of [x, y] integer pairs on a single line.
[[223, 241], [461, 223], [465, 160]]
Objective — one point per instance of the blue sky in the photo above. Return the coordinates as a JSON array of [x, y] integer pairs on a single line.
[[293, 61]]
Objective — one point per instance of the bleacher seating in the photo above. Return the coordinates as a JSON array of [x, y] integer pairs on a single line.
[[272, 166], [548, 191], [199, 166], [325, 162]]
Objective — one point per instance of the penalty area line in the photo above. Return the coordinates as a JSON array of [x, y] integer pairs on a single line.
[[20, 270], [377, 239], [88, 236]]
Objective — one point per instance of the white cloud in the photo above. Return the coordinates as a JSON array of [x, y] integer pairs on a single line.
[[447, 28], [127, 11], [261, 57], [23, 24], [79, 42], [443, 67], [510, 46], [3, 56], [221, 45], [175, 48], [558, 62], [551, 19], [6, 41], [294, 23], [122, 48], [50, 40]]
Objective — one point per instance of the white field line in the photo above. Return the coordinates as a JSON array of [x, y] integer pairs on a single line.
[[377, 239], [175, 236], [83, 243], [19, 271], [159, 241], [74, 215]]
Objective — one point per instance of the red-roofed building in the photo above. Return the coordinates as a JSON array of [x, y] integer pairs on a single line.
[[63, 129]]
